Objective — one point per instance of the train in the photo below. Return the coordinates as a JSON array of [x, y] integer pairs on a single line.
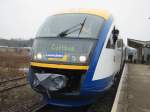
[[76, 57]]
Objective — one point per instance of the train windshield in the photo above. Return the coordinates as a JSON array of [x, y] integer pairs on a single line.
[[54, 25], [67, 38]]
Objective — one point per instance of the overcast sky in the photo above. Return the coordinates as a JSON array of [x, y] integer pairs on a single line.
[[22, 18]]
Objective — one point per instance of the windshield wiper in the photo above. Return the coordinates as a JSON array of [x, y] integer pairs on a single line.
[[82, 25], [70, 30]]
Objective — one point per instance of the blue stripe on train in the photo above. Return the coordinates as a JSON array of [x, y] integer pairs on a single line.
[[88, 83], [98, 87]]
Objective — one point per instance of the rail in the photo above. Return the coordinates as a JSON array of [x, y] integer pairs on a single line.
[[12, 84]]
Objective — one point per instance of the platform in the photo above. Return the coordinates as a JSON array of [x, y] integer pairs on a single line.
[[134, 90]]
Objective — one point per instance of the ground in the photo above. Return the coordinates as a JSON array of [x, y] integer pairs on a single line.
[[19, 99], [10, 62], [135, 92]]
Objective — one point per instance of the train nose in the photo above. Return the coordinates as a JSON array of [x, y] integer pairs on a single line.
[[51, 82]]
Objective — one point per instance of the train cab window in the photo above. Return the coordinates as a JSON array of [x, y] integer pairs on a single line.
[[119, 43], [110, 43], [113, 38]]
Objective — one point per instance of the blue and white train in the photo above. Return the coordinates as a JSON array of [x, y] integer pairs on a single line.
[[75, 57]]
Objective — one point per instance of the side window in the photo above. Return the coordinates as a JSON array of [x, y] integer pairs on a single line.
[[119, 43], [110, 43], [113, 38]]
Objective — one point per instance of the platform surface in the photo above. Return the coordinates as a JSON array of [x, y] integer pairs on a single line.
[[135, 91]]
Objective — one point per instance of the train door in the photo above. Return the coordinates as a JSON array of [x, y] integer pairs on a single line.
[[119, 54], [118, 49]]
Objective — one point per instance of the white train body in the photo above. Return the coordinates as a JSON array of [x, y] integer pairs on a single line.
[[110, 60]]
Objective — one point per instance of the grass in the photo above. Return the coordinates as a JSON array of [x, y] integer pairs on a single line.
[[10, 62], [20, 99], [13, 60]]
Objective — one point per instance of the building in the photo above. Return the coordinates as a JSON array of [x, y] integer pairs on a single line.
[[143, 50]]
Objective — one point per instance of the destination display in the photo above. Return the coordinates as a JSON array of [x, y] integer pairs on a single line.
[[63, 49]]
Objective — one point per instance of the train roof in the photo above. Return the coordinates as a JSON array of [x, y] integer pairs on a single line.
[[97, 12]]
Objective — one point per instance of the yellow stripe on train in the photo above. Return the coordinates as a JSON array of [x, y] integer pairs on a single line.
[[97, 12], [59, 66]]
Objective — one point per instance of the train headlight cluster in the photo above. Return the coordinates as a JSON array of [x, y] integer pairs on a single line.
[[38, 56], [51, 82], [80, 58]]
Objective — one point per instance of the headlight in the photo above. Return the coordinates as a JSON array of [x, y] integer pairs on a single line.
[[39, 56], [82, 58]]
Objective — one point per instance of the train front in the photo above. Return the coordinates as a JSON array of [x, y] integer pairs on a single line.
[[63, 58]]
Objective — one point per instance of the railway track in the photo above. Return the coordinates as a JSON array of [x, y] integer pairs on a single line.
[[7, 85], [13, 79]]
